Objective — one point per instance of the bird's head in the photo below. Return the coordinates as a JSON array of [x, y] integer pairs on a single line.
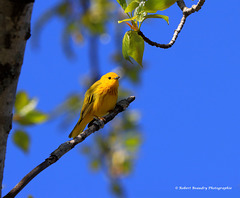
[[110, 79]]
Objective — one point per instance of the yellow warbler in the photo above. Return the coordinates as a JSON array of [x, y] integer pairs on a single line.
[[99, 99]]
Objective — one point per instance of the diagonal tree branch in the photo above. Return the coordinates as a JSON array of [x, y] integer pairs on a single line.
[[186, 12], [67, 146]]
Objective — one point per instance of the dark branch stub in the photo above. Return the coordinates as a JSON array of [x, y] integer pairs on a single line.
[[186, 12], [67, 146]]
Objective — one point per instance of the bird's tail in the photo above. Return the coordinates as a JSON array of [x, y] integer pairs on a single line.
[[79, 127]]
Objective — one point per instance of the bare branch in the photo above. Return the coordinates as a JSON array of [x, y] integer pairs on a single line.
[[186, 12], [67, 146], [194, 8]]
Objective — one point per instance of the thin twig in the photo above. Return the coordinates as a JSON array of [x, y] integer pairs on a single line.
[[186, 12], [67, 146]]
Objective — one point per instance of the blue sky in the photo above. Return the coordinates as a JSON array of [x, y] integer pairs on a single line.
[[189, 101]]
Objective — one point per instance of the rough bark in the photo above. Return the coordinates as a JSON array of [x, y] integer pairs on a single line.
[[15, 16]]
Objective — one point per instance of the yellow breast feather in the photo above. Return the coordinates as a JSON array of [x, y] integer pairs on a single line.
[[99, 99]]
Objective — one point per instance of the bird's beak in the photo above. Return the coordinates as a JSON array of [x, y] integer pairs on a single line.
[[117, 78]]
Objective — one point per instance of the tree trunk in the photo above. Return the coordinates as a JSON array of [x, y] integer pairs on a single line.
[[15, 16]]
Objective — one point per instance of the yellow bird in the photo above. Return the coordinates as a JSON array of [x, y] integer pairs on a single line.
[[99, 99]]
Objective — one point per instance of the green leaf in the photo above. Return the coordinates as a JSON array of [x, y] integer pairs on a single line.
[[140, 12], [131, 6], [33, 117], [133, 143], [130, 19], [133, 46], [153, 5], [31, 105], [125, 46], [122, 3], [22, 140], [166, 18], [21, 100]]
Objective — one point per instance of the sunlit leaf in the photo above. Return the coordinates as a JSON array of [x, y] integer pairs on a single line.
[[24, 105], [140, 12], [129, 19], [133, 143], [131, 6], [166, 18], [33, 117], [22, 140], [21, 100], [122, 3], [30, 196], [31, 105], [153, 5], [133, 46]]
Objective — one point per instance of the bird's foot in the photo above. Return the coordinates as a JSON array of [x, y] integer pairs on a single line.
[[100, 122]]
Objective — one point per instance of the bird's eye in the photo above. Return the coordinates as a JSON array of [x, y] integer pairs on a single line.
[[109, 78]]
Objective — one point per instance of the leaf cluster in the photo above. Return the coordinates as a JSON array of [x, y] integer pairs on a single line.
[[25, 114], [138, 11]]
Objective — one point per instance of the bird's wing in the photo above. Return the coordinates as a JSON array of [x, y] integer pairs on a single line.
[[89, 99]]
